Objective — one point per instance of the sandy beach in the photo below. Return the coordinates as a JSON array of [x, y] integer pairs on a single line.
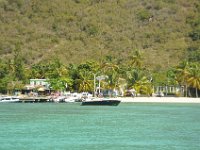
[[159, 99]]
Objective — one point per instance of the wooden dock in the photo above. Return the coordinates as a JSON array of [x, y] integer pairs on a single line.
[[33, 99]]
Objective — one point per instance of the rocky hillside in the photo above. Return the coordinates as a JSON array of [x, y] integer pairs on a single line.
[[166, 31]]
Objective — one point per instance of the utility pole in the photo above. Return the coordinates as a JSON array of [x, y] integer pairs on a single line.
[[167, 76], [94, 94], [99, 78], [99, 86]]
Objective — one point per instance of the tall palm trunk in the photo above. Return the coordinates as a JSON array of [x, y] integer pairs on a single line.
[[197, 93], [186, 90]]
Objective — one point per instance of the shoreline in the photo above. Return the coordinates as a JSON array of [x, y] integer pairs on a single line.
[[128, 99], [158, 100]]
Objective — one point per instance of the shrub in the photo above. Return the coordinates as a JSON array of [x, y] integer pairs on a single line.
[[195, 34], [144, 15]]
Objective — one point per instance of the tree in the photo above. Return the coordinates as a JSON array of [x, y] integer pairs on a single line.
[[6, 75], [83, 75], [111, 70], [13, 86], [136, 59], [112, 81], [60, 84], [143, 86], [18, 64], [38, 71], [172, 77], [182, 71], [85, 81], [194, 77], [133, 75], [109, 67]]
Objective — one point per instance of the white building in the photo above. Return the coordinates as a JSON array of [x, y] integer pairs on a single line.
[[39, 82]]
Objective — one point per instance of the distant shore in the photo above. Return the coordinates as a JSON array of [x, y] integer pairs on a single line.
[[158, 100]]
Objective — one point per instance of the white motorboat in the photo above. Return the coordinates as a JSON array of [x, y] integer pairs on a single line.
[[70, 99], [73, 98], [59, 99], [8, 99]]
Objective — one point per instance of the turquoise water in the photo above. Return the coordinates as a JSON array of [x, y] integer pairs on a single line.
[[50, 126]]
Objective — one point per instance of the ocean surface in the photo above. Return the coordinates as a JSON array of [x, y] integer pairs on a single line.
[[129, 126]]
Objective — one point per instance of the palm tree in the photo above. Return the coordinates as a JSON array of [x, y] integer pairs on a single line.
[[18, 63], [136, 59], [133, 75], [112, 80], [182, 74], [112, 72], [144, 86], [109, 67], [172, 77], [10, 66], [194, 77], [14, 85], [37, 71], [85, 81]]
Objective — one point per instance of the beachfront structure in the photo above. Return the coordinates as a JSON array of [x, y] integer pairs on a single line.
[[37, 87], [169, 90], [39, 82]]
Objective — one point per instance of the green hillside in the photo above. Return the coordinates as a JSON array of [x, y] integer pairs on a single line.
[[166, 31]]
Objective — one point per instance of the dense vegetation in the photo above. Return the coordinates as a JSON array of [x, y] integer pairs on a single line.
[[57, 39], [121, 76]]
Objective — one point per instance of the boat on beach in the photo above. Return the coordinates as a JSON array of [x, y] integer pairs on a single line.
[[101, 101]]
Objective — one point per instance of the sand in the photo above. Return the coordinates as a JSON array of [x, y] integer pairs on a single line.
[[159, 99]]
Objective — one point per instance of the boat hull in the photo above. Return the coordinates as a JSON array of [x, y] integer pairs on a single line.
[[102, 102], [9, 100]]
